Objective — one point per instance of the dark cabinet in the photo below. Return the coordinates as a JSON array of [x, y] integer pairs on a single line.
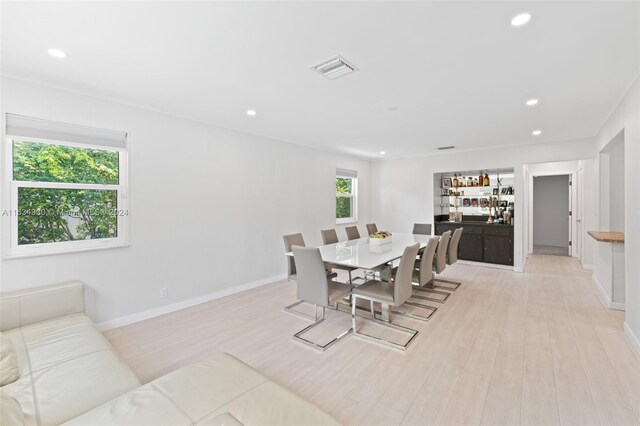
[[497, 249], [482, 242], [470, 247]]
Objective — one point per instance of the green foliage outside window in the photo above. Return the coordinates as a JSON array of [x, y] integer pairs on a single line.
[[38, 162], [47, 215], [343, 204]]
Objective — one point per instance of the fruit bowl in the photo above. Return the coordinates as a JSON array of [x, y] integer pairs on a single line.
[[379, 238]]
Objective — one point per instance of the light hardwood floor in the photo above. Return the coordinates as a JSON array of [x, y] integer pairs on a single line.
[[532, 348]]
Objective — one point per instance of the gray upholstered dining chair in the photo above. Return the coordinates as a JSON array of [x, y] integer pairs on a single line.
[[352, 232], [423, 274], [289, 241], [421, 229], [390, 296], [313, 286], [371, 228], [452, 257], [329, 236], [439, 265], [422, 277], [297, 240]]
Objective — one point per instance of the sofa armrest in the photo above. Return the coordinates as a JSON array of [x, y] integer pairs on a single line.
[[24, 307]]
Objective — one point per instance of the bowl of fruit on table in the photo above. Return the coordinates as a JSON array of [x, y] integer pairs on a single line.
[[379, 238]]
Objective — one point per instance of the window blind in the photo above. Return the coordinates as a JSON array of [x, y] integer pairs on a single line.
[[346, 173], [28, 127]]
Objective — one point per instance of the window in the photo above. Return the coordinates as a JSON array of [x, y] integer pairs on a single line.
[[65, 196], [346, 196]]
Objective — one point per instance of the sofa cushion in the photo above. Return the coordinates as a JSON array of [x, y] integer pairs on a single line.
[[10, 411], [9, 371], [224, 419], [202, 394], [71, 367]]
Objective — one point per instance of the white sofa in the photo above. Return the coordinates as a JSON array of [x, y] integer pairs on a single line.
[[67, 372]]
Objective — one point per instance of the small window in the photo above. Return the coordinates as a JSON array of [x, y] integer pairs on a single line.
[[346, 196], [65, 197]]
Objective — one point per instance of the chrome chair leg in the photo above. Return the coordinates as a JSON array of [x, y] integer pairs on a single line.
[[299, 338], [394, 345], [431, 299], [300, 314], [455, 284], [416, 316]]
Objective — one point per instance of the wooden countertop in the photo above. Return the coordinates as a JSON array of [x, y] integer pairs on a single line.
[[608, 237]]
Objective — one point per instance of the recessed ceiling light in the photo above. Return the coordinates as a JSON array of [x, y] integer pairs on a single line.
[[382, 153], [521, 19], [532, 102], [56, 53], [536, 132], [251, 112]]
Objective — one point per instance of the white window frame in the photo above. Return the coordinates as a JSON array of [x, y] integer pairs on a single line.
[[353, 196], [28, 250]]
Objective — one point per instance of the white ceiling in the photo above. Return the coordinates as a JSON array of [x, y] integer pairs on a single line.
[[457, 71]]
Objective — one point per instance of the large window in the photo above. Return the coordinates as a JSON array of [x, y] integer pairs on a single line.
[[64, 196], [346, 196]]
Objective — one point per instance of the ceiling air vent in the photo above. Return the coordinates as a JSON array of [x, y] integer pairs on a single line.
[[335, 67], [444, 148]]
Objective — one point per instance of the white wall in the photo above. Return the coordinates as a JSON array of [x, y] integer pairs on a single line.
[[404, 187], [627, 117], [209, 206], [551, 211], [616, 184]]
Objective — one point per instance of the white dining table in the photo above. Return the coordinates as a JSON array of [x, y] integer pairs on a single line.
[[361, 254]]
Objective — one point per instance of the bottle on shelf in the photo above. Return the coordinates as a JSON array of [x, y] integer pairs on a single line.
[[455, 180], [486, 180], [469, 181], [480, 180]]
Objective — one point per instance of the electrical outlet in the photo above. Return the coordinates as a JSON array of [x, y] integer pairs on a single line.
[[164, 292]]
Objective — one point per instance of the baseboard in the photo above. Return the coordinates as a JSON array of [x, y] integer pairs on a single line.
[[604, 298], [617, 306], [520, 268], [485, 265], [632, 338], [587, 266], [155, 312]]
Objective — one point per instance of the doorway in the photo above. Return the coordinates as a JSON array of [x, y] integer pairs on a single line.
[[552, 215]]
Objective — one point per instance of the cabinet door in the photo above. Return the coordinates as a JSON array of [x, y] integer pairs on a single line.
[[497, 249], [441, 228], [470, 247]]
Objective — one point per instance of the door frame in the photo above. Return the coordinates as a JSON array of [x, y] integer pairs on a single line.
[[572, 173]]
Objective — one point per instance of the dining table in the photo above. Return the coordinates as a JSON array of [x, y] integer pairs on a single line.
[[361, 253]]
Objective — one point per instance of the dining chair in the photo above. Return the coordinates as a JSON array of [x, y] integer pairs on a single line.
[[421, 229], [389, 296], [423, 274], [352, 232], [440, 262], [330, 236], [289, 241], [452, 257], [297, 240], [315, 287], [371, 228]]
